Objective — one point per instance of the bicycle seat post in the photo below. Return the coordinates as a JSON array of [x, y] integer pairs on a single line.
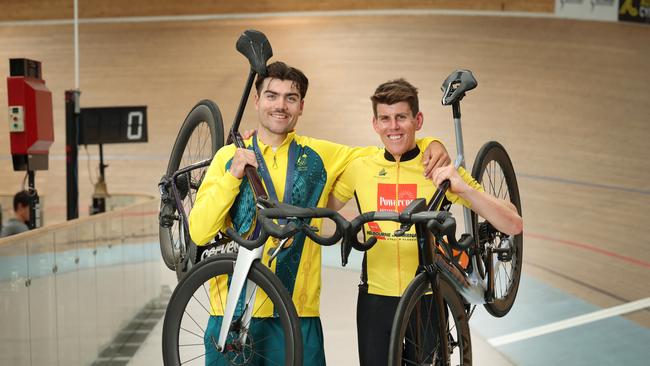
[[460, 147], [460, 156], [454, 89]]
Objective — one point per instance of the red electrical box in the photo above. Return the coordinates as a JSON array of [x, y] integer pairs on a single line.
[[31, 129]]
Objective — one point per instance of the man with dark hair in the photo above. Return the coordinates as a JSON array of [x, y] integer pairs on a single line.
[[18, 223], [388, 181], [225, 199]]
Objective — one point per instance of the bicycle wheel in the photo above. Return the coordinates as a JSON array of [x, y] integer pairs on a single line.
[[274, 340], [199, 138], [493, 169], [414, 338]]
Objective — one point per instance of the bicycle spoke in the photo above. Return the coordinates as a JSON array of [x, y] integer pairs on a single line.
[[268, 360], [201, 303], [260, 306], [221, 302], [501, 184], [195, 322], [192, 333], [192, 345], [192, 359], [489, 179]]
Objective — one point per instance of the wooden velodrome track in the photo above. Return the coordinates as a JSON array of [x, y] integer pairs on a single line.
[[568, 99]]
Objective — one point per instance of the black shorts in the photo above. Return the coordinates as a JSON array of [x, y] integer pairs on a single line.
[[375, 315]]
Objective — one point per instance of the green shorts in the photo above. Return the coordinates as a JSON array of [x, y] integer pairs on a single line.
[[266, 334]]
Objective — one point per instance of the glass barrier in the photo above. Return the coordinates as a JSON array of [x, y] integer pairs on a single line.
[[67, 290]]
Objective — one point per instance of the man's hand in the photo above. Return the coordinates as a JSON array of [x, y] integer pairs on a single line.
[[457, 185], [242, 158], [435, 156], [248, 134]]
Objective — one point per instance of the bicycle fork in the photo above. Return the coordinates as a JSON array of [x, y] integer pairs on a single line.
[[243, 264], [427, 262]]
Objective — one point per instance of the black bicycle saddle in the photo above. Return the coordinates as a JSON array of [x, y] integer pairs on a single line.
[[257, 49], [455, 86]]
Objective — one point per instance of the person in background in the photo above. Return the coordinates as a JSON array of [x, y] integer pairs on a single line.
[[18, 223]]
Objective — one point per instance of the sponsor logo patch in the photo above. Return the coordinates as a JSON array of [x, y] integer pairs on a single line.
[[392, 197]]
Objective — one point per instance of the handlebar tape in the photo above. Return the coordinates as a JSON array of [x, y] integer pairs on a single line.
[[248, 244], [288, 211]]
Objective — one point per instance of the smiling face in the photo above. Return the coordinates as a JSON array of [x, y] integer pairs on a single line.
[[278, 107], [396, 126]]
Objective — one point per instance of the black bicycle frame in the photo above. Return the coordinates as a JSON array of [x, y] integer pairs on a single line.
[[177, 197], [427, 255]]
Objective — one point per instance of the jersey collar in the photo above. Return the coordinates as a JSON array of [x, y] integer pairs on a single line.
[[409, 155], [283, 146]]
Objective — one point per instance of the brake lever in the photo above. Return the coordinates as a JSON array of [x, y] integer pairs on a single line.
[[273, 252], [402, 229]]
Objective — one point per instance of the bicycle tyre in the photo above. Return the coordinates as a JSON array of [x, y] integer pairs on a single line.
[[204, 117], [492, 168], [460, 344], [183, 321]]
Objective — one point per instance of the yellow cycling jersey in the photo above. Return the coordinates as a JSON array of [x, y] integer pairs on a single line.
[[225, 201], [380, 183]]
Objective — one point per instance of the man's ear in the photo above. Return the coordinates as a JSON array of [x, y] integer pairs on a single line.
[[302, 105], [374, 124], [256, 98], [419, 120]]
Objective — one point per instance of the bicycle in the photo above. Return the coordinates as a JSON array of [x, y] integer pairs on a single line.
[[493, 251], [249, 283], [199, 138], [431, 321]]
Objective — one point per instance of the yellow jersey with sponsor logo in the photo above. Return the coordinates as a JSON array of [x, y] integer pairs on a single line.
[[380, 183], [225, 201]]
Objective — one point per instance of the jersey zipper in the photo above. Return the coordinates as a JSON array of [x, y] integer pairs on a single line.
[[399, 261]]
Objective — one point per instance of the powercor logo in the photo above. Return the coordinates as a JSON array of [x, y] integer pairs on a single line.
[[395, 197]]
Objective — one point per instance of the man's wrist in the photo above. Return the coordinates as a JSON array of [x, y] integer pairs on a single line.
[[232, 178]]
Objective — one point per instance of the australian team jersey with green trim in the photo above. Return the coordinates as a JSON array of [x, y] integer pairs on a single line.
[[223, 201], [380, 183]]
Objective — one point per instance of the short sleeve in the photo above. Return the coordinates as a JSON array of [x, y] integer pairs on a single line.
[[345, 185]]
